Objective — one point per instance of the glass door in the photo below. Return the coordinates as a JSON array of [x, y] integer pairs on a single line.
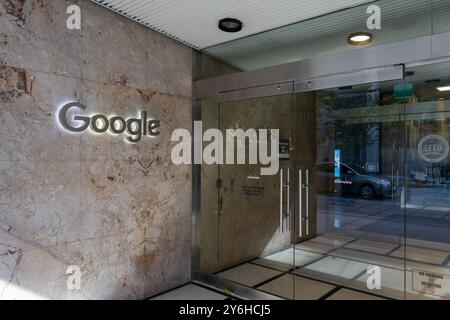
[[255, 222], [427, 200], [358, 207], [349, 207]]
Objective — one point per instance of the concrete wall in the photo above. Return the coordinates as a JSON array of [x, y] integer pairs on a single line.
[[121, 212]]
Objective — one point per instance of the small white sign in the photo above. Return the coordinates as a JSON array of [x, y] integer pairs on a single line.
[[436, 284]]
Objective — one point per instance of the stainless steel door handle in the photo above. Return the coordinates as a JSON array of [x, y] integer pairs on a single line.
[[307, 201], [281, 201], [300, 203], [288, 194]]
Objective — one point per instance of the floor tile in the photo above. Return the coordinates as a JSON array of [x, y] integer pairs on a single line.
[[440, 246], [332, 240], [422, 255], [284, 260], [249, 274], [374, 208], [393, 285], [388, 262], [191, 292], [370, 258], [433, 214], [346, 294], [334, 269], [315, 247], [372, 246], [305, 289]]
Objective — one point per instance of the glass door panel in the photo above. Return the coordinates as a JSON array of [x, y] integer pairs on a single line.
[[427, 200], [255, 224], [360, 203], [350, 194]]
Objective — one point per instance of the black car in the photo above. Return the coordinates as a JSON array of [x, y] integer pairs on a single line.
[[351, 179]]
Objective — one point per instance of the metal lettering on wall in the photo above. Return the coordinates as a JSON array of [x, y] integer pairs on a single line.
[[136, 128]]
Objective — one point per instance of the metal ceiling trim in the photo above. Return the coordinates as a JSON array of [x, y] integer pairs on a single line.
[[403, 52]]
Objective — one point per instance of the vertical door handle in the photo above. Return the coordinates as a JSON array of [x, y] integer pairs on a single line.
[[288, 200], [307, 201], [300, 203], [281, 200], [288, 179]]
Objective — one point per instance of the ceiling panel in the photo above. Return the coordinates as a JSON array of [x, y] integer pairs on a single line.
[[327, 34], [194, 22]]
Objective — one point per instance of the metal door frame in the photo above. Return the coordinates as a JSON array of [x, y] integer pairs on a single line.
[[373, 64]]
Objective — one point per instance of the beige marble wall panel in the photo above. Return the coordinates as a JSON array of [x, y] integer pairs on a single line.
[[119, 211]]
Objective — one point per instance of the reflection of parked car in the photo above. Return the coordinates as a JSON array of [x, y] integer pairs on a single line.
[[351, 179]]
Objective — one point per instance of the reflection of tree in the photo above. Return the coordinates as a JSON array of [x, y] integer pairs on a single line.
[[349, 138], [356, 137]]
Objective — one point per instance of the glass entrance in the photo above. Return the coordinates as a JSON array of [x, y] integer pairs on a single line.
[[360, 205], [352, 190], [427, 198]]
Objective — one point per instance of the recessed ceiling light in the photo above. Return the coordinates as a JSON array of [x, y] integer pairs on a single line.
[[230, 25], [360, 38], [446, 88]]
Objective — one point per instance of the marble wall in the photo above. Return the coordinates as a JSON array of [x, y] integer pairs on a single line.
[[121, 212]]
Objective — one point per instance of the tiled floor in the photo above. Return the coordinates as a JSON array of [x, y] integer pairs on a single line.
[[422, 255], [370, 258], [372, 246], [331, 265], [346, 294], [328, 267], [191, 291], [334, 269], [249, 274], [305, 289], [392, 282], [315, 247], [332, 240], [284, 260]]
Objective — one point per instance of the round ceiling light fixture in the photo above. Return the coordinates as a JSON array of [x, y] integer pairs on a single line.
[[230, 25], [360, 38]]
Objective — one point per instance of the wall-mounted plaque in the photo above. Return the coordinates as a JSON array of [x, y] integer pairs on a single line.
[[284, 149], [252, 191]]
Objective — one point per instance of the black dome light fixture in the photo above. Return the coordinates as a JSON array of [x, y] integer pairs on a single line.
[[230, 25], [360, 38]]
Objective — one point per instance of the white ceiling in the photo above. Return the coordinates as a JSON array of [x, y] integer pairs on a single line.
[[327, 34], [194, 22]]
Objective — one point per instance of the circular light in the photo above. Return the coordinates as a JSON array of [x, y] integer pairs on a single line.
[[360, 38], [230, 25]]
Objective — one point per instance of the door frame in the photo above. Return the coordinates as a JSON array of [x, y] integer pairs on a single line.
[[388, 63]]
